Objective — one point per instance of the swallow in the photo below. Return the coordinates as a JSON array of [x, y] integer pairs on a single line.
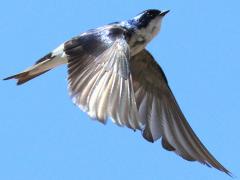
[[111, 75]]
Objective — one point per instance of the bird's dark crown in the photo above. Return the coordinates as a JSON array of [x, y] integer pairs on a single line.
[[145, 17]]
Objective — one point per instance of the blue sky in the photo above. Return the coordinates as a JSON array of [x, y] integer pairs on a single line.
[[44, 136]]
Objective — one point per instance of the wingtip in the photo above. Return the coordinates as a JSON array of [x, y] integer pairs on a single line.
[[229, 173], [224, 170]]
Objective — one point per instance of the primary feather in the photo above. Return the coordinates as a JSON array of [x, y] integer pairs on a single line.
[[112, 76]]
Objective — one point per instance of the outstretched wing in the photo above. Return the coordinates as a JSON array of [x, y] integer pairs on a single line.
[[161, 113], [99, 76]]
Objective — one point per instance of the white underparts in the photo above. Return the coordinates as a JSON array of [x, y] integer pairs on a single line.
[[143, 36]]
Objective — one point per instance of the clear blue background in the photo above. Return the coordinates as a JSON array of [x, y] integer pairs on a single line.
[[43, 136]]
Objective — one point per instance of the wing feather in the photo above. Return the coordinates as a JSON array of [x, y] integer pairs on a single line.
[[100, 83], [162, 116], [106, 82]]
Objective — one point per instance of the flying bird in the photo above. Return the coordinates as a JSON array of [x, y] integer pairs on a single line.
[[112, 75]]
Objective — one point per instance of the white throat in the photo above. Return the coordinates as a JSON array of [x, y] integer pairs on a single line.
[[152, 29], [144, 35]]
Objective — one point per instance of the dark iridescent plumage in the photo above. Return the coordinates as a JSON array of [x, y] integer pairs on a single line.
[[112, 75]]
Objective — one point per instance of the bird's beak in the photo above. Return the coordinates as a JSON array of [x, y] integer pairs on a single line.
[[164, 13]]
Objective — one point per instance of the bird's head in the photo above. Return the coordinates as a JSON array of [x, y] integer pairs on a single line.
[[149, 21]]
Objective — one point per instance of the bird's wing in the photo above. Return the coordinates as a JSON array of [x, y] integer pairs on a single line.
[[99, 76], [161, 114]]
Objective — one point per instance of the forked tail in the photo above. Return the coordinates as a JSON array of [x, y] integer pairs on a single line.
[[43, 65]]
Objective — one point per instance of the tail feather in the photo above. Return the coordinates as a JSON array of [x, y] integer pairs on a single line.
[[43, 65], [24, 77]]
